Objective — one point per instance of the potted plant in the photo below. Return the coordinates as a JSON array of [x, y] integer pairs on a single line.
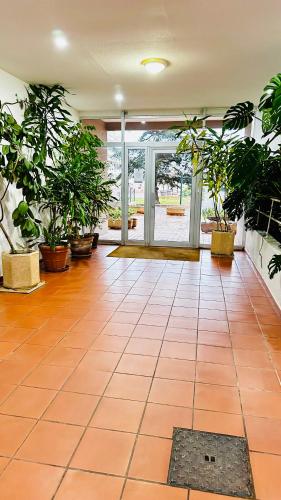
[[46, 123], [85, 191], [255, 168], [115, 218], [54, 249], [18, 171], [101, 200], [209, 219], [210, 152]]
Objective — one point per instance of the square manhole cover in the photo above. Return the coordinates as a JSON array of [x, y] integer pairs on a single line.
[[216, 463]]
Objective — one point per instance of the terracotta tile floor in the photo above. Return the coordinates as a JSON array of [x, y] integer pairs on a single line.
[[99, 365]]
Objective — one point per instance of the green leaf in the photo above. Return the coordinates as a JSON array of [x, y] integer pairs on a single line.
[[274, 266], [239, 116], [267, 125], [269, 92], [22, 208]]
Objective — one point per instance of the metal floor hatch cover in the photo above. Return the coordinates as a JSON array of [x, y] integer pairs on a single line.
[[211, 462]]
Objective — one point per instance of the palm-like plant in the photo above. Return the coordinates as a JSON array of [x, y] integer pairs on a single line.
[[210, 152], [254, 168], [79, 177]]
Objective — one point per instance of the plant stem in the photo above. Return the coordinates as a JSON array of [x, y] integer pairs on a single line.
[[13, 250]]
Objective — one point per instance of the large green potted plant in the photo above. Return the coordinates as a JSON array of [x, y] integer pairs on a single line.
[[101, 201], [54, 248], [115, 218], [86, 191], [18, 171], [46, 113], [255, 167], [209, 152]]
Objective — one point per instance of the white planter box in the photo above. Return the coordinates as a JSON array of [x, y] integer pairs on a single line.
[[260, 250]]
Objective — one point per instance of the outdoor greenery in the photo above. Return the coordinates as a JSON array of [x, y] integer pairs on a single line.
[[208, 213], [169, 199], [116, 213], [254, 168], [172, 170]]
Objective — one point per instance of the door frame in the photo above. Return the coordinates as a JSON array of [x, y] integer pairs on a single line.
[[149, 199]]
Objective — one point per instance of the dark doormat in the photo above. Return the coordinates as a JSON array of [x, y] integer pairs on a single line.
[[216, 463]]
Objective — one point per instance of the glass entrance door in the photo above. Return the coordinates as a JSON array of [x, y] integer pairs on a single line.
[[161, 197], [174, 199]]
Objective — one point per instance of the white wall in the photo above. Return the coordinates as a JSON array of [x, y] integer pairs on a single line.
[[11, 86], [260, 251], [257, 133]]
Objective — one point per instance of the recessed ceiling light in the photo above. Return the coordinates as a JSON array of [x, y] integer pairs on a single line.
[[119, 97], [143, 122], [60, 39], [154, 64]]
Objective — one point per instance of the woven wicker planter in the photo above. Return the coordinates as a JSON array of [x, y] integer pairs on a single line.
[[178, 211], [208, 227], [117, 223]]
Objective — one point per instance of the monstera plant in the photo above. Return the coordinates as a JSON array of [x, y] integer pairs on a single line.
[[255, 168]]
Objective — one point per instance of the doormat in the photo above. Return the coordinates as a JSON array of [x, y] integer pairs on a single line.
[[215, 463], [159, 253], [22, 290]]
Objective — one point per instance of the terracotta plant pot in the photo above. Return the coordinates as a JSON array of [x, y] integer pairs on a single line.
[[81, 247], [20, 270], [222, 243], [54, 259]]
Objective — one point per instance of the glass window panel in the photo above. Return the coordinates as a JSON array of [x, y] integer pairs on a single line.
[[136, 193], [110, 226], [173, 181], [208, 222]]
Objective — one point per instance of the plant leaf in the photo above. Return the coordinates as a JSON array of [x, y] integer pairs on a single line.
[[239, 116]]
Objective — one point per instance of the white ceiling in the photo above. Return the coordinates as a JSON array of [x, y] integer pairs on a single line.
[[221, 51]]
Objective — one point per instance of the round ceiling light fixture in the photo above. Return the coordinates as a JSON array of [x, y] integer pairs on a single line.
[[60, 39], [154, 65]]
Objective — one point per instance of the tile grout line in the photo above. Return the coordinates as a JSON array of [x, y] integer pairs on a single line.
[[145, 407], [142, 417]]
